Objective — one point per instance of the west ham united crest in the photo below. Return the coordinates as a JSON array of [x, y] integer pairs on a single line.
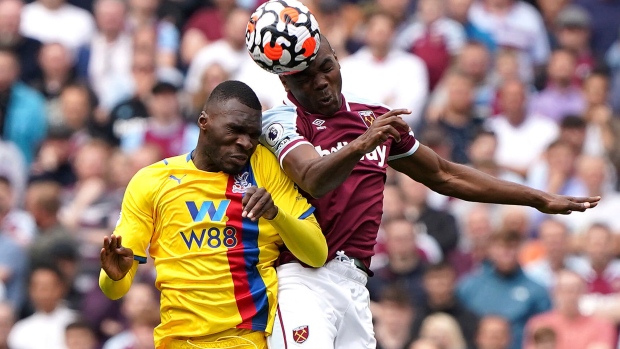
[[300, 334], [368, 117]]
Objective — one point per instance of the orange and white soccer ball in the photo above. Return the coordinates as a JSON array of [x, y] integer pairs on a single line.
[[283, 36]]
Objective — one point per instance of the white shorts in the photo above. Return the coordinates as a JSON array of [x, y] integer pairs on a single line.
[[324, 308]]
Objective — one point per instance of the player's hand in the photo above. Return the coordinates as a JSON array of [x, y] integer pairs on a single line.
[[257, 203], [559, 204], [384, 127], [116, 260]]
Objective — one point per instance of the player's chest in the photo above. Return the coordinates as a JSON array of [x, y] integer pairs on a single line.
[[330, 135]]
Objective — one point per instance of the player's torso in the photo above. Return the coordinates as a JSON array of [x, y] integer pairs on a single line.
[[350, 214], [207, 256]]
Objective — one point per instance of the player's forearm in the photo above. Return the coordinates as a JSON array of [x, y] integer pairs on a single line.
[[324, 174], [116, 289], [469, 184], [303, 237]]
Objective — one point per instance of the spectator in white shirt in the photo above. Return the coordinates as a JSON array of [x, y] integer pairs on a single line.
[[57, 21], [522, 137], [46, 327], [517, 25], [109, 52], [379, 72]]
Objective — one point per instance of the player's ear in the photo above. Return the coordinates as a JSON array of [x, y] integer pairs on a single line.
[[283, 81], [203, 120]]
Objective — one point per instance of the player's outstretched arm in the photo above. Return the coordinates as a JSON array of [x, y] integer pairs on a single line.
[[466, 183], [318, 175], [302, 236], [117, 267]]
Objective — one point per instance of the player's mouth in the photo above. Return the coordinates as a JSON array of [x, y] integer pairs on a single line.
[[239, 158], [326, 100]]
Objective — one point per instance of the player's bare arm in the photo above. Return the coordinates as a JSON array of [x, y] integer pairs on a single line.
[[318, 175], [466, 183]]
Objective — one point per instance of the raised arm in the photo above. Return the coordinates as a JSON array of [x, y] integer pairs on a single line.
[[466, 183], [317, 175]]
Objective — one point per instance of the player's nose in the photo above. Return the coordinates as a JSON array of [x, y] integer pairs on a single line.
[[320, 82]]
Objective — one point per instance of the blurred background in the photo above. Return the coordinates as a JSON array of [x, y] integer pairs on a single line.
[[529, 91]]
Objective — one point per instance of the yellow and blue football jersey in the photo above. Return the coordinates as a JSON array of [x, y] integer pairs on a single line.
[[214, 268]]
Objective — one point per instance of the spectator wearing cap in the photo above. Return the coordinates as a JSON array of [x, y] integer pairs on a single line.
[[560, 97], [165, 126], [605, 25], [500, 287], [22, 109], [26, 48], [572, 329], [399, 78], [572, 31]]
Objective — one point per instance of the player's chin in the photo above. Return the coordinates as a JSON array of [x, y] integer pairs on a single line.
[[233, 167]]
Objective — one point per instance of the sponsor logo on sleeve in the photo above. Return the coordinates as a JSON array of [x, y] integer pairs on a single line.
[[274, 134]]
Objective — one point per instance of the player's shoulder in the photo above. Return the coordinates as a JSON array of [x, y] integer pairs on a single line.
[[356, 102], [160, 169], [281, 114]]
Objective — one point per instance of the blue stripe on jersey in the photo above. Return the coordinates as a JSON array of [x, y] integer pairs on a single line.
[[189, 156], [165, 162], [140, 259], [255, 281], [307, 213]]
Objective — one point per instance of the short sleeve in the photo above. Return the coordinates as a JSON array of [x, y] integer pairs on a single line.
[[408, 145], [135, 223], [280, 131], [282, 189]]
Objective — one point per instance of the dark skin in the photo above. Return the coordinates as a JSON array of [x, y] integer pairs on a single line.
[[318, 89], [229, 133]]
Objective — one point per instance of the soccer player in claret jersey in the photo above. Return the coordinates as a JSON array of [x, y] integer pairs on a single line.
[[213, 221], [336, 148]]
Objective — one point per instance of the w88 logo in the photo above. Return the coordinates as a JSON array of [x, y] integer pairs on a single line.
[[212, 237]]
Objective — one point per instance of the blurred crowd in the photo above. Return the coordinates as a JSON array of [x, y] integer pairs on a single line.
[[528, 91]]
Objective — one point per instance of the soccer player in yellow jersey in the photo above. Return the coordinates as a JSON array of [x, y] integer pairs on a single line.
[[213, 221]]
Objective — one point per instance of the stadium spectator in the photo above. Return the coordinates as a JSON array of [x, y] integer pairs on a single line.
[[54, 159], [438, 224], [458, 10], [439, 283], [204, 27], [143, 14], [56, 21], [15, 223], [605, 27], [433, 37], [21, 108], [140, 306], [405, 266], [554, 238], [549, 9], [211, 77], [459, 119], [544, 338], [472, 250], [399, 78], [517, 25], [556, 172], [165, 127], [516, 125], [26, 48], [442, 329], [573, 34], [394, 315], [43, 203], [13, 272], [109, 51], [612, 59], [424, 344], [46, 327], [78, 335], [561, 97], [573, 329], [573, 132], [598, 114], [594, 172], [507, 291], [57, 72], [7, 319], [493, 333], [475, 62]]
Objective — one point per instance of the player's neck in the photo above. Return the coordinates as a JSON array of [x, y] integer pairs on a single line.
[[202, 162]]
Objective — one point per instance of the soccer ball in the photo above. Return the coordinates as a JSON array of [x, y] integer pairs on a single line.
[[283, 36]]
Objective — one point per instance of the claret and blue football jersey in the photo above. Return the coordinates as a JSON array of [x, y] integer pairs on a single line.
[[214, 268]]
